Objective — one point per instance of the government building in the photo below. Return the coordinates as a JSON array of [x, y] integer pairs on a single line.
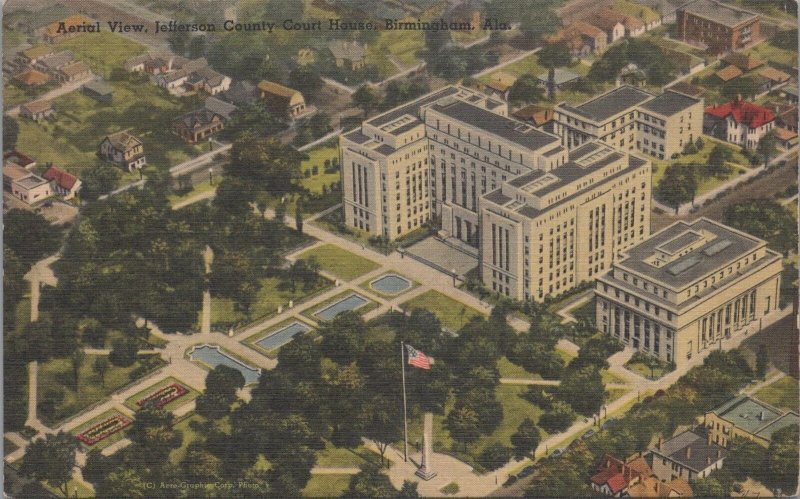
[[683, 290]]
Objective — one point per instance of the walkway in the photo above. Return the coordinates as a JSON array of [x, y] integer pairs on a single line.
[[55, 93]]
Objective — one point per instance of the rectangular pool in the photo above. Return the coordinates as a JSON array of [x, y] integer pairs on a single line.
[[352, 302], [213, 356], [282, 336]]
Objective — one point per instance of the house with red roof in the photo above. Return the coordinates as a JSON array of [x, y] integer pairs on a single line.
[[63, 183], [738, 122], [614, 476]]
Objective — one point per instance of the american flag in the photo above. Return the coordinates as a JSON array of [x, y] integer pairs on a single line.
[[417, 358]]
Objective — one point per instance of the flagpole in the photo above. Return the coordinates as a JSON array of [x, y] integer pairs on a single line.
[[405, 409]]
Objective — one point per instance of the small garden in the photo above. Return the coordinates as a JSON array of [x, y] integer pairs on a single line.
[[648, 366], [102, 431], [168, 393], [452, 314], [782, 394], [340, 262]]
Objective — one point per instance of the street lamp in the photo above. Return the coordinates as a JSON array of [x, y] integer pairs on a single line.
[[211, 175], [454, 277]]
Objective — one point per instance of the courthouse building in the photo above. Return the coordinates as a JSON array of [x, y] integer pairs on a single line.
[[683, 290]]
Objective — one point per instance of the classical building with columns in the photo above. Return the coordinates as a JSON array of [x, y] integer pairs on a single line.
[[685, 289]]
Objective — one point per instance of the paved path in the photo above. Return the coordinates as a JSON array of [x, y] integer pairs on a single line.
[[340, 86], [55, 93], [777, 376], [330, 470], [198, 162]]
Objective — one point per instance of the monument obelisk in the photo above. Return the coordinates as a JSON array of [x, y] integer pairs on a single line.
[[425, 472]]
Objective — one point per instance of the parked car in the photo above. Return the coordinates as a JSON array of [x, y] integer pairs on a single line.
[[556, 453], [587, 434], [526, 471], [512, 479]]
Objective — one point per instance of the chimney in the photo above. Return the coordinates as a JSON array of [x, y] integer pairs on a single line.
[[719, 454], [660, 443], [688, 453]]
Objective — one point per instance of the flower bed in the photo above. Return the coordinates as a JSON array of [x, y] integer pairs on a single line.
[[164, 395], [104, 429]]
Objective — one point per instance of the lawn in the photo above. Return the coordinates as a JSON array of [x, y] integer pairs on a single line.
[[274, 292], [403, 45], [530, 65], [55, 378], [782, 393], [185, 399], [510, 370], [340, 457], [641, 369], [113, 438], [13, 38], [326, 486], [340, 262], [189, 436], [23, 314], [103, 51], [613, 394], [76, 489], [317, 157], [768, 52], [453, 314], [70, 140], [196, 189], [642, 12]]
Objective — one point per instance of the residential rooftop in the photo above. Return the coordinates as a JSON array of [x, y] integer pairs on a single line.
[[669, 103], [719, 12], [610, 103], [697, 459], [690, 257]]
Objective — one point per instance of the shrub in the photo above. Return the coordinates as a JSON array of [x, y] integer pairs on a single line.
[[315, 170], [494, 456]]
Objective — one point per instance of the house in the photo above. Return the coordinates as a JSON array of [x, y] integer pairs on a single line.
[[60, 30], [742, 61], [499, 85], [18, 158], [34, 54], [37, 110], [122, 149], [32, 78], [608, 21], [728, 73], [54, 62], [614, 476], [136, 63], [178, 71], [789, 92], [653, 487], [220, 107], [633, 26], [209, 81], [73, 72], [774, 77], [538, 116], [738, 122], [787, 139], [562, 77], [719, 27], [581, 38], [747, 417], [348, 54], [25, 185], [63, 183], [688, 89], [280, 100], [242, 93], [197, 125], [98, 90], [688, 456], [785, 115]]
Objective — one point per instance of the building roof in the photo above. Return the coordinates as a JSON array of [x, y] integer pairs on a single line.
[[37, 106], [99, 87], [222, 108], [31, 181], [412, 108], [728, 73], [123, 141], [37, 51], [691, 450], [651, 486], [721, 13], [688, 89], [277, 89], [785, 134], [350, 50], [604, 19], [242, 92], [755, 416], [32, 77], [745, 62], [14, 171], [610, 103], [512, 130], [75, 68], [670, 103], [720, 247], [742, 112], [538, 115], [775, 75], [200, 117], [617, 474], [17, 157], [584, 28], [562, 76], [62, 178], [57, 60]]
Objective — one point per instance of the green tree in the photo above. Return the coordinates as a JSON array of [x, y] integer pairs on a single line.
[[526, 439], [746, 459], [222, 382], [708, 487], [552, 56], [10, 133], [364, 97], [745, 87], [51, 459], [197, 46], [558, 418], [153, 430], [782, 460], [463, 424], [234, 275], [583, 390], [370, 483], [100, 368], [98, 180], [678, 186], [306, 80], [200, 465], [123, 482], [123, 352], [76, 360], [384, 425], [265, 163], [525, 90], [494, 456], [29, 235], [178, 41], [764, 218], [767, 146], [716, 165], [298, 215], [408, 490]]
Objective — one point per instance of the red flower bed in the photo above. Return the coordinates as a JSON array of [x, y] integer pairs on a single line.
[[164, 396], [103, 429]]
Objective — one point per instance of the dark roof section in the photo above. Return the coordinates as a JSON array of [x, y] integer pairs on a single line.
[[515, 131], [611, 103], [411, 108], [669, 103], [498, 197], [356, 136], [719, 12], [740, 245], [697, 459]]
